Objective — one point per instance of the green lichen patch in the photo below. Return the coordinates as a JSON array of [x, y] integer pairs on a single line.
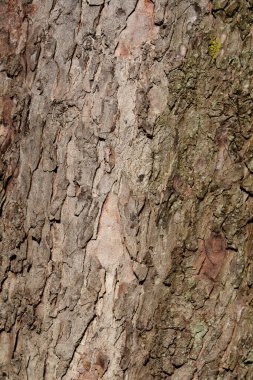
[[198, 330], [249, 359], [219, 4], [214, 46]]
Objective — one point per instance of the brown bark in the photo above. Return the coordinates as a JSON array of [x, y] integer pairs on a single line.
[[126, 189]]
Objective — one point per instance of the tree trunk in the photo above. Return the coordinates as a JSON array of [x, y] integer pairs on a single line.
[[126, 189]]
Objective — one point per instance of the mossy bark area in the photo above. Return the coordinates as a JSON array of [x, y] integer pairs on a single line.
[[126, 190]]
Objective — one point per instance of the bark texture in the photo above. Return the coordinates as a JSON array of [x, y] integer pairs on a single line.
[[126, 167]]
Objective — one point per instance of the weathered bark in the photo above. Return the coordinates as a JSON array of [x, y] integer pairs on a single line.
[[126, 189]]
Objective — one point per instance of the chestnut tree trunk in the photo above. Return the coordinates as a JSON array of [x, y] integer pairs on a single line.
[[126, 170]]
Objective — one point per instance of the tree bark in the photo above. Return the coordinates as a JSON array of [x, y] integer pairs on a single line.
[[126, 189]]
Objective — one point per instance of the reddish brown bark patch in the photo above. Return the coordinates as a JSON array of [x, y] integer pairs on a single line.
[[123, 50], [6, 132], [7, 108], [10, 21], [212, 255], [95, 367], [12, 14], [122, 289], [140, 29], [29, 9], [149, 7], [182, 187]]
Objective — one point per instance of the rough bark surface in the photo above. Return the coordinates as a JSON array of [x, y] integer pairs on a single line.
[[126, 189]]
